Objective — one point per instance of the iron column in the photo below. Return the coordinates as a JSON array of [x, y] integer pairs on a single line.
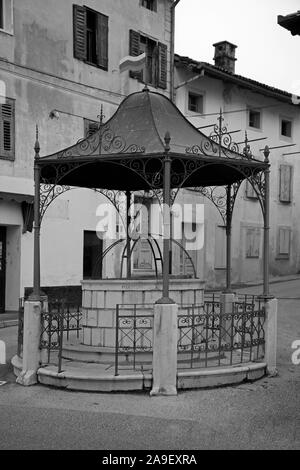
[[266, 292], [228, 239], [36, 295], [128, 222], [166, 221]]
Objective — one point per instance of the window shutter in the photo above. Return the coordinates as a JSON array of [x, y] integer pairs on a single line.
[[284, 242], [79, 28], [250, 192], [220, 247], [7, 130], [162, 65], [90, 127], [252, 242], [285, 183], [134, 50], [102, 41]]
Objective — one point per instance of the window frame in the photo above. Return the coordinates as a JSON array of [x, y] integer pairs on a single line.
[[7, 17], [4, 153], [160, 51], [196, 95], [154, 5], [82, 55], [279, 255], [258, 111], [291, 121]]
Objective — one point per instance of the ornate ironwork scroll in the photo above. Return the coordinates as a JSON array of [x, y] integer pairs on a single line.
[[104, 141], [134, 335], [219, 144], [218, 196], [209, 337], [48, 193]]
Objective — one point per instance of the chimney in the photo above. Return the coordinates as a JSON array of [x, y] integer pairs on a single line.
[[225, 56]]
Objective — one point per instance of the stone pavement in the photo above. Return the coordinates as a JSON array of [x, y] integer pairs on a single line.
[[260, 415], [8, 319]]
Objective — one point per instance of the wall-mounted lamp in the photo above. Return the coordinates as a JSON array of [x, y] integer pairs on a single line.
[[54, 114]]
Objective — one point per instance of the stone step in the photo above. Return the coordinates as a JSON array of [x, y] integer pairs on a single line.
[[100, 378], [101, 355]]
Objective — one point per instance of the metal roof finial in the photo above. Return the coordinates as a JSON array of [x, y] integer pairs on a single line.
[[145, 87], [37, 147], [101, 116], [247, 149], [167, 141], [266, 153]]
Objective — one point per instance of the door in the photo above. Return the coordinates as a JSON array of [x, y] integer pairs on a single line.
[[92, 256], [2, 267]]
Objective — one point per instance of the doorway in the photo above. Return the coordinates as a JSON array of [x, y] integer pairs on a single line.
[[2, 268]]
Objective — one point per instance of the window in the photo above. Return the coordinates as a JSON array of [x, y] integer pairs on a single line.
[[90, 127], [220, 247], [6, 16], [7, 129], [252, 242], [149, 4], [285, 183], [90, 36], [283, 243], [1, 15], [286, 128], [92, 256], [195, 103], [155, 71], [250, 192], [254, 119]]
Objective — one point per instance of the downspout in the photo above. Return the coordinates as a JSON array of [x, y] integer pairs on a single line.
[[172, 75]]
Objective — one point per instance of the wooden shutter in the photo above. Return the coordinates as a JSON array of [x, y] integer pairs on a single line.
[[79, 28], [285, 190], [162, 65], [220, 247], [284, 236], [7, 130], [252, 242], [134, 50], [102, 41]]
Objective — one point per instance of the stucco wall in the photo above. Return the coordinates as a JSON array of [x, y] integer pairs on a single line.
[[247, 212]]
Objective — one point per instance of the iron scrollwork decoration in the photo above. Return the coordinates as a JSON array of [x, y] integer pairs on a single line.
[[104, 141], [218, 144], [218, 196], [48, 193]]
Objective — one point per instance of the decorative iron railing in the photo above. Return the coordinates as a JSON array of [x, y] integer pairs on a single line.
[[57, 321], [20, 327], [134, 337], [210, 337]]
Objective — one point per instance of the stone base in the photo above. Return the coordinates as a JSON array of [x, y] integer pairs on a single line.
[[100, 298], [27, 378]]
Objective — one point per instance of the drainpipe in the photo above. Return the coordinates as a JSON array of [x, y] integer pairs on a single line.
[[172, 90]]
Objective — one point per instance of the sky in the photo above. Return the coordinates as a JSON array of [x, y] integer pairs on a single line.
[[266, 52]]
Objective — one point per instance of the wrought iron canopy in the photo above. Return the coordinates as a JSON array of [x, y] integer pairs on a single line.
[[127, 152]]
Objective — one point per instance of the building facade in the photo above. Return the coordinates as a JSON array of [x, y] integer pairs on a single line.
[[59, 67], [270, 117]]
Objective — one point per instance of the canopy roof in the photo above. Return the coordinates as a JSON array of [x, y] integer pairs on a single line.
[[126, 153]]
